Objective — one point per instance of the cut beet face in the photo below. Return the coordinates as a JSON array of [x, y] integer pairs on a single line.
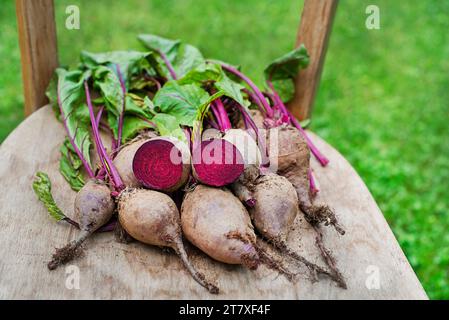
[[217, 163], [162, 164]]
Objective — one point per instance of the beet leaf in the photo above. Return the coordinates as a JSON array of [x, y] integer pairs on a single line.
[[42, 188], [282, 71], [180, 101], [133, 125], [67, 96], [70, 166], [175, 57], [129, 62]]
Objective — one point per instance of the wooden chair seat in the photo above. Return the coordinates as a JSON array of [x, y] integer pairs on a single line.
[[113, 270]]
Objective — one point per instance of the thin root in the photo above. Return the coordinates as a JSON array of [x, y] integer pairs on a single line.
[[71, 251], [64, 255], [322, 214], [314, 269], [198, 276], [329, 259], [273, 263]]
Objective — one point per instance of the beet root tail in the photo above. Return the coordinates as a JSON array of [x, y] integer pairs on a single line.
[[274, 264], [198, 276], [67, 253], [314, 269], [322, 214], [329, 259]]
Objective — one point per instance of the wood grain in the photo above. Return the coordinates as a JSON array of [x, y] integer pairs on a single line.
[[314, 31], [110, 270], [38, 49]]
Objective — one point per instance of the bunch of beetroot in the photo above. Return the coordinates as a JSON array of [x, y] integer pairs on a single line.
[[167, 124]]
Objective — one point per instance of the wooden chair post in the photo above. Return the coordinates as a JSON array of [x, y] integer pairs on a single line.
[[38, 48], [314, 31]]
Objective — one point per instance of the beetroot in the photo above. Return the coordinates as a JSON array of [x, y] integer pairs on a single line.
[[94, 207], [162, 164], [123, 162], [294, 163], [215, 221], [153, 218], [274, 211], [217, 162]]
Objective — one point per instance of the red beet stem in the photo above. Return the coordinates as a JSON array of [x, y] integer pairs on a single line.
[[106, 161], [168, 64], [101, 173], [71, 139], [122, 113], [225, 122], [217, 162], [313, 188], [278, 103], [158, 165], [269, 112], [318, 155], [217, 116], [213, 124]]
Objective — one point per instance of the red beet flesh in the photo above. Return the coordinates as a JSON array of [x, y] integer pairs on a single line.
[[157, 165], [218, 164]]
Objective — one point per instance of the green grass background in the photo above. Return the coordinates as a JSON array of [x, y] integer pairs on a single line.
[[383, 100]]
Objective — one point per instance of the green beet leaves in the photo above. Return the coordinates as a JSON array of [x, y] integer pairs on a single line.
[[71, 166], [133, 66], [183, 57], [68, 98], [181, 101], [282, 71], [129, 62], [42, 188]]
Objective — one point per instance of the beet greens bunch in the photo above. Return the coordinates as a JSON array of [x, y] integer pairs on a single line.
[[167, 124]]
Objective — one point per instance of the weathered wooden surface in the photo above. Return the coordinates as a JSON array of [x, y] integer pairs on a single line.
[[113, 270], [314, 31], [38, 49]]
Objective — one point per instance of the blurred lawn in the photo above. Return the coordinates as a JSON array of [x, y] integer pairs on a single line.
[[383, 100]]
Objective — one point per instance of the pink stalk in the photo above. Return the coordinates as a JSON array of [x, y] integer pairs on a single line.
[[106, 161], [255, 89], [122, 113], [158, 84], [313, 188], [104, 127], [213, 124], [101, 173], [223, 115], [168, 64], [71, 139], [252, 97], [318, 155], [279, 104], [99, 114], [245, 121], [216, 115]]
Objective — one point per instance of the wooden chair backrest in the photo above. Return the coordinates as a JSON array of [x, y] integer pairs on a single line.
[[39, 54]]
